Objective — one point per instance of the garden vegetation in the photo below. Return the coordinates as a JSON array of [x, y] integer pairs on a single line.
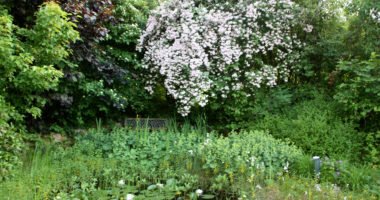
[[256, 93]]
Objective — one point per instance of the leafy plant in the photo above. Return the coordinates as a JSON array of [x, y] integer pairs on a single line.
[[28, 60], [315, 127], [359, 90]]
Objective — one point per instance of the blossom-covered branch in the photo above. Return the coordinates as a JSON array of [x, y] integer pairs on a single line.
[[207, 49]]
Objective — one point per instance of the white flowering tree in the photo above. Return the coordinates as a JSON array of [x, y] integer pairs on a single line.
[[204, 50]]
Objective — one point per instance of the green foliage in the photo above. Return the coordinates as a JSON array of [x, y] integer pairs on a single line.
[[160, 165], [11, 144], [247, 151], [371, 148], [27, 72], [351, 176], [238, 111], [10, 140], [359, 90], [28, 65], [362, 38], [106, 82], [315, 127], [325, 45], [49, 40]]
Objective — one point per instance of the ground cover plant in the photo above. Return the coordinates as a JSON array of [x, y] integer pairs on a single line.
[[189, 164], [263, 99]]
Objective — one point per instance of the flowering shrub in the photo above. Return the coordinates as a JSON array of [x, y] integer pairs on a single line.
[[208, 49]]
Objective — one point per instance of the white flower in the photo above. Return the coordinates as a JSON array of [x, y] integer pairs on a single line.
[[192, 50], [199, 192], [318, 187], [259, 187], [375, 15], [160, 185], [129, 197], [308, 28], [286, 167], [121, 182]]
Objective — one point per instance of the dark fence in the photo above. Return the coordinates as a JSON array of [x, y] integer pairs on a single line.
[[150, 123]]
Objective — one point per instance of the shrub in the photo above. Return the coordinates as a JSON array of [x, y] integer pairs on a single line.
[[206, 51], [350, 176], [28, 57], [246, 152], [314, 127], [10, 140], [359, 90]]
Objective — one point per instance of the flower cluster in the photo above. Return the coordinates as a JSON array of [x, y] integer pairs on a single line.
[[208, 49], [375, 15]]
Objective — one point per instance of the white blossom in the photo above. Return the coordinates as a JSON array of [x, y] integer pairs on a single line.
[[129, 197], [194, 46], [121, 182], [375, 15], [308, 28], [199, 192]]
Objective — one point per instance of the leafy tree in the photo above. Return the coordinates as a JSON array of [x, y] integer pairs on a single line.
[[325, 45], [359, 90], [363, 37], [105, 83], [29, 57], [29, 68]]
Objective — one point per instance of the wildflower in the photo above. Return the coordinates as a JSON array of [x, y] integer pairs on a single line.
[[259, 187], [121, 182], [129, 197], [286, 167], [207, 141], [160, 185], [318, 187], [199, 192], [308, 28], [335, 188]]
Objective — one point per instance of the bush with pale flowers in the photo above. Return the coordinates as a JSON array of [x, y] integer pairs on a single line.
[[205, 50]]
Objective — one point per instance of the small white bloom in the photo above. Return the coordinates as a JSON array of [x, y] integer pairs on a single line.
[[160, 185], [308, 28], [286, 167], [259, 187], [121, 182], [199, 192], [318, 187], [129, 197]]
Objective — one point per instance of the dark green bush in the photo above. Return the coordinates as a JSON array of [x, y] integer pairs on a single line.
[[315, 127], [10, 140]]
